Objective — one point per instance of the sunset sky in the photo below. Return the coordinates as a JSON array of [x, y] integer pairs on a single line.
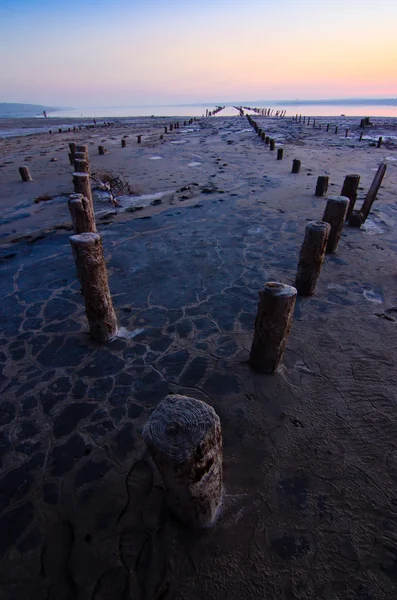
[[123, 52]]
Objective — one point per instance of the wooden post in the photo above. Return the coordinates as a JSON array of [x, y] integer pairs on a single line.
[[25, 174], [335, 215], [71, 158], [272, 144], [311, 257], [379, 144], [171, 127], [361, 137], [272, 326], [304, 120], [82, 214], [280, 153], [267, 140], [373, 191], [82, 148], [336, 130], [165, 129], [308, 120], [123, 143], [327, 127], [346, 133], [296, 165], [184, 438], [139, 139], [72, 148], [260, 132], [320, 126], [314, 122], [101, 150], [349, 190], [322, 185], [82, 185], [263, 136], [91, 271], [81, 165]]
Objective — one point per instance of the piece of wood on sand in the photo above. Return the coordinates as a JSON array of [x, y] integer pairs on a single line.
[[359, 217], [81, 210], [322, 185], [311, 257], [25, 174], [349, 190], [183, 436], [335, 214], [91, 271], [272, 326]]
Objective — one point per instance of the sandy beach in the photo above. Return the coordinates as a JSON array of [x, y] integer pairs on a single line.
[[206, 215]]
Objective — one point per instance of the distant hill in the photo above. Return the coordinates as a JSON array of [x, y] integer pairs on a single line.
[[12, 109]]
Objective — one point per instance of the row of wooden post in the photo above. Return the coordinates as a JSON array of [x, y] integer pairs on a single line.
[[299, 120], [265, 138]]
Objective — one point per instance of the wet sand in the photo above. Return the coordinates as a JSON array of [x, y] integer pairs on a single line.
[[310, 504]]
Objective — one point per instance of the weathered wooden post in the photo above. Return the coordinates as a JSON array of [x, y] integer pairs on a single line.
[[82, 185], [346, 133], [311, 257], [272, 144], [171, 127], [272, 326], [280, 153], [123, 143], [82, 148], [304, 120], [165, 129], [71, 158], [336, 130], [335, 214], [139, 139], [81, 210], [379, 143], [296, 165], [25, 174], [72, 148], [308, 120], [314, 122], [349, 190], [263, 136], [91, 271], [359, 217], [81, 165], [361, 136], [322, 185], [267, 140], [327, 127], [184, 438], [101, 150]]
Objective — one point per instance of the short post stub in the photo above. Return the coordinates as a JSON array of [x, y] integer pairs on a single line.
[[349, 190], [82, 214], [184, 438], [91, 271], [335, 214], [322, 185], [263, 136], [25, 174], [139, 139], [101, 150], [296, 165], [267, 140], [379, 143], [280, 153], [272, 144], [346, 133], [272, 326], [336, 130], [311, 257], [123, 143]]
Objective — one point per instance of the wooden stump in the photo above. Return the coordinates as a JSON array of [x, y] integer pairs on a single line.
[[82, 148], [311, 257], [82, 185], [165, 129], [101, 150], [361, 137], [308, 120], [81, 165], [322, 185], [296, 165], [336, 130], [346, 133], [139, 139], [259, 132], [25, 174], [349, 190], [379, 143], [327, 127], [263, 136], [267, 140], [314, 122], [91, 271], [272, 144], [171, 127], [272, 326], [280, 153], [82, 213], [335, 215], [356, 219], [184, 438], [123, 143], [373, 191]]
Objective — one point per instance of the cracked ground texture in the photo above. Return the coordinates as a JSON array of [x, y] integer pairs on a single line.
[[310, 467]]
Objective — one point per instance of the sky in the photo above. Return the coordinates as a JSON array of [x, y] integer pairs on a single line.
[[79, 53]]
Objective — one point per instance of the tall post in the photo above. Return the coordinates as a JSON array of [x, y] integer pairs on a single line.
[[82, 214], [272, 326], [184, 438], [373, 191], [311, 257], [349, 190], [91, 271], [335, 214]]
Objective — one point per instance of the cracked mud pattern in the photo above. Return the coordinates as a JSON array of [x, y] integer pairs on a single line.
[[310, 506]]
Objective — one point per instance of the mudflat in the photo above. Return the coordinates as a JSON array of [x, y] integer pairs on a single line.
[[201, 220]]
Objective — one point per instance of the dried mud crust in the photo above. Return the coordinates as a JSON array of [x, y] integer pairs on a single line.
[[310, 500]]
